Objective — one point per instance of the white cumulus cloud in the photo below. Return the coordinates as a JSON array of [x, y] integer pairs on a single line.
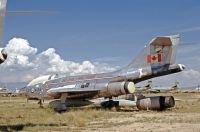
[[20, 46], [24, 63]]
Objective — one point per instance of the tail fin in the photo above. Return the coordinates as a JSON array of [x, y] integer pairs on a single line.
[[159, 54], [175, 87], [2, 15]]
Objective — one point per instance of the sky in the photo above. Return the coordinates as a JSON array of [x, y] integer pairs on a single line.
[[91, 36]]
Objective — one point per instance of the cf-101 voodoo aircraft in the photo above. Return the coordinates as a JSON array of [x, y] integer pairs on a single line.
[[156, 59]]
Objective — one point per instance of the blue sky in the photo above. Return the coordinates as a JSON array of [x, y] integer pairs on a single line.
[[106, 31], [92, 29]]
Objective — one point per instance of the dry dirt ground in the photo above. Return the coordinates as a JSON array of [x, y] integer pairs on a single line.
[[18, 115]]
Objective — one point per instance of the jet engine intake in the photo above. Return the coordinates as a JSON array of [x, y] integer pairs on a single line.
[[155, 103], [3, 55]]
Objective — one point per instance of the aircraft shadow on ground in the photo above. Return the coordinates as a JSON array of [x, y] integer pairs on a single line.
[[19, 127], [108, 109]]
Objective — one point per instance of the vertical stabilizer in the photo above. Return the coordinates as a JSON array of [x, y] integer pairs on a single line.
[[158, 55]]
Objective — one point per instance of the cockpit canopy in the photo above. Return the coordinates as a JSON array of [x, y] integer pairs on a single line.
[[42, 79]]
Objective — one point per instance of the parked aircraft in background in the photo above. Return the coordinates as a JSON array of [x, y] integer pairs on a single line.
[[156, 59], [149, 88], [6, 92], [198, 88], [164, 89]]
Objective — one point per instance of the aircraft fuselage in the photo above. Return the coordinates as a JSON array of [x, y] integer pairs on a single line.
[[95, 85]]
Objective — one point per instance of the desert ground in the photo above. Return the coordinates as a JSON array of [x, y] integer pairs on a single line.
[[18, 115]]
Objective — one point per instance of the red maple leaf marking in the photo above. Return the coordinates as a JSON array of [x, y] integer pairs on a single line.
[[154, 58]]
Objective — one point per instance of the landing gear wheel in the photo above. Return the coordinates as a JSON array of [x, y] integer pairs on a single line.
[[58, 106], [40, 103], [113, 105]]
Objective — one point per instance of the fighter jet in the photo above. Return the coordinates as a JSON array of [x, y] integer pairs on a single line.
[[7, 92], [164, 89], [156, 59], [149, 88]]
